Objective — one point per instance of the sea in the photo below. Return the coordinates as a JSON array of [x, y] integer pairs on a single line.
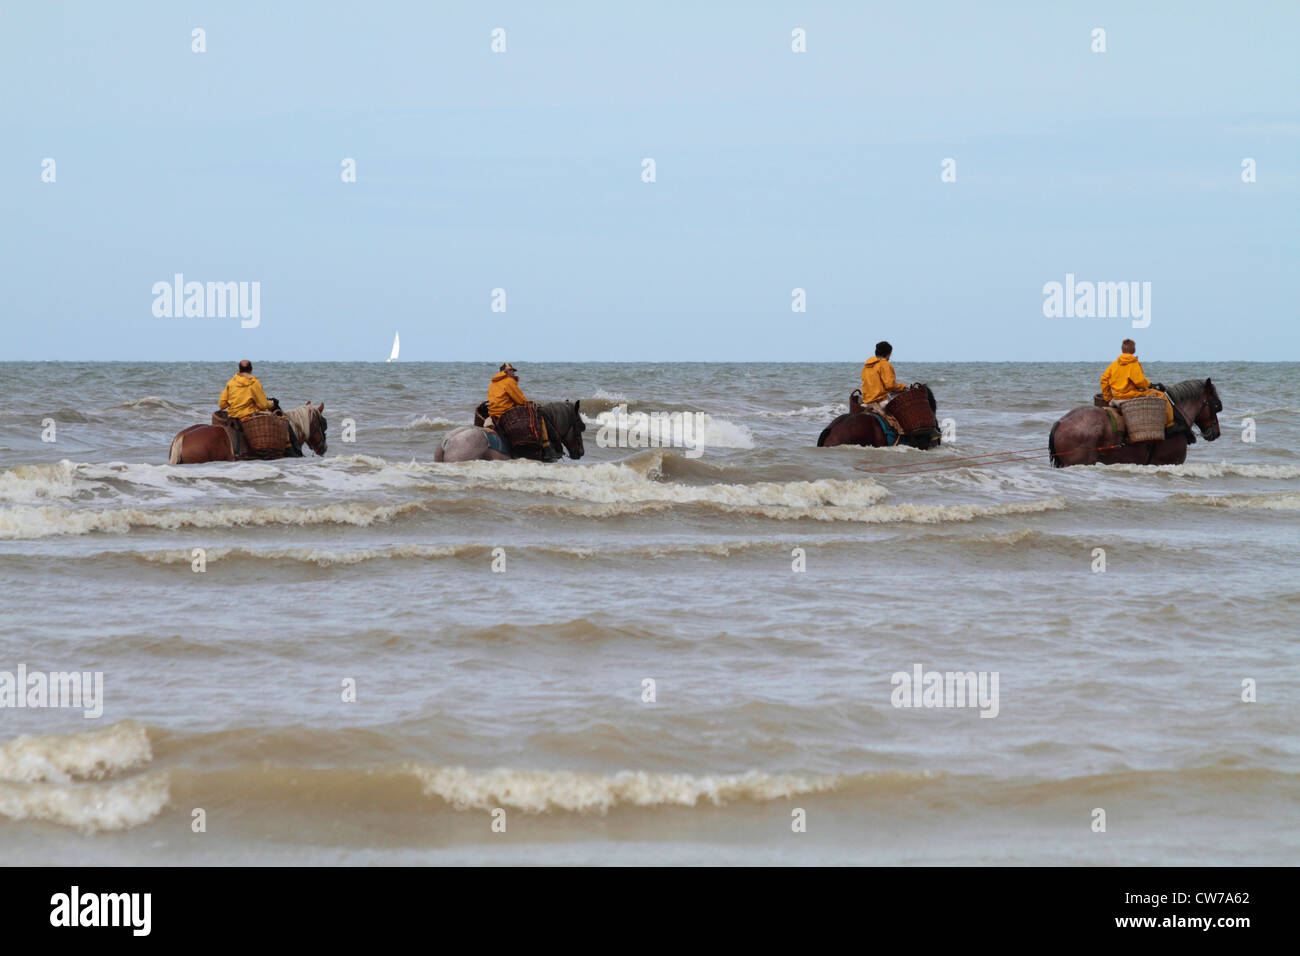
[[751, 651]]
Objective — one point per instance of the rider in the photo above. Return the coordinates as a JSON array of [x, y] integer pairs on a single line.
[[504, 392], [243, 395], [878, 381], [1124, 379]]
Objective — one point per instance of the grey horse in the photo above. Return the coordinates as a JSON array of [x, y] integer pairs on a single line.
[[564, 427]]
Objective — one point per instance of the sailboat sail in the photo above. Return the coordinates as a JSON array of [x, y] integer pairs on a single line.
[[396, 345]]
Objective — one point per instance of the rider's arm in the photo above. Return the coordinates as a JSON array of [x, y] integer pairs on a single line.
[[259, 397], [514, 392], [1105, 384], [1138, 377], [224, 400], [887, 379]]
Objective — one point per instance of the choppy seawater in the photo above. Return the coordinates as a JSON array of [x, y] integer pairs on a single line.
[[522, 690]]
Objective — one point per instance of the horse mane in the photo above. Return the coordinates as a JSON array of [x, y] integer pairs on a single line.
[[560, 414], [1189, 388], [299, 418]]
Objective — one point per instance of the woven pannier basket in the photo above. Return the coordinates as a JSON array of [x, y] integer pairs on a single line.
[[911, 407], [265, 433], [1144, 418]]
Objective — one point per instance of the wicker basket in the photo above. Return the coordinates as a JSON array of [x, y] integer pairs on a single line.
[[266, 433], [1144, 418], [911, 407], [522, 426]]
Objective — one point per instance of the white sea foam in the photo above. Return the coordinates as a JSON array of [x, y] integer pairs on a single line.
[[88, 755], [25, 522], [425, 423], [30, 483], [323, 557], [1281, 501], [660, 429], [542, 791], [630, 483], [1220, 469], [90, 808], [820, 413]]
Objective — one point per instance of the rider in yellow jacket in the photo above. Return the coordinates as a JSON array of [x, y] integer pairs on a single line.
[[1124, 379], [878, 381], [504, 392], [243, 394]]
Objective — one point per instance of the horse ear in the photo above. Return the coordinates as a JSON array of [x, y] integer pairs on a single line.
[[577, 405], [320, 407]]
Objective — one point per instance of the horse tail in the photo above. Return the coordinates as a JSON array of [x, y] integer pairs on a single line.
[[1051, 445], [821, 439], [174, 455]]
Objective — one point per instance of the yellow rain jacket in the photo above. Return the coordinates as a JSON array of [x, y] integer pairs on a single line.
[[878, 380], [1124, 379], [504, 394], [243, 396]]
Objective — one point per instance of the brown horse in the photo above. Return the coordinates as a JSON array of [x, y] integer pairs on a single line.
[[200, 443], [859, 427], [1084, 435]]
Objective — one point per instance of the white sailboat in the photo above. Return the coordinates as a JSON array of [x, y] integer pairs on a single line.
[[397, 342]]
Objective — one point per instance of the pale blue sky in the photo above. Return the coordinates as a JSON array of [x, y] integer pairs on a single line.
[[775, 170]]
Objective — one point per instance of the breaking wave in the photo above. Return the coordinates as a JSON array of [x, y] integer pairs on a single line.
[[425, 423], [1279, 501], [62, 758], [542, 791], [810, 412], [56, 778], [39, 522], [1220, 469], [150, 403], [648, 430]]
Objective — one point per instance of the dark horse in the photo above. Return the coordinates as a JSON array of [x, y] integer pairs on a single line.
[[858, 427], [564, 428], [200, 443], [1084, 435]]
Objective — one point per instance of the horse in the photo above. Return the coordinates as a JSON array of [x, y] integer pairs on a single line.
[[860, 427], [1083, 436], [200, 443], [564, 428]]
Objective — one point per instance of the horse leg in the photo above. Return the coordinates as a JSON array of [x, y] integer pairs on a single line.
[[1171, 451], [1076, 438]]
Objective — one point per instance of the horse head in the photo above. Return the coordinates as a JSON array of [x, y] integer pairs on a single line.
[[1207, 419], [316, 430], [565, 426], [572, 436]]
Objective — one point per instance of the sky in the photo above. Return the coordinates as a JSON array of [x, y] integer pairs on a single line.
[[522, 170]]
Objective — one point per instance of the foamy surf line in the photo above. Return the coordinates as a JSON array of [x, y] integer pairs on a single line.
[[1278, 501], [878, 514], [91, 808], [543, 791], [68, 779], [620, 428], [327, 557], [27, 522], [88, 755], [1221, 469]]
